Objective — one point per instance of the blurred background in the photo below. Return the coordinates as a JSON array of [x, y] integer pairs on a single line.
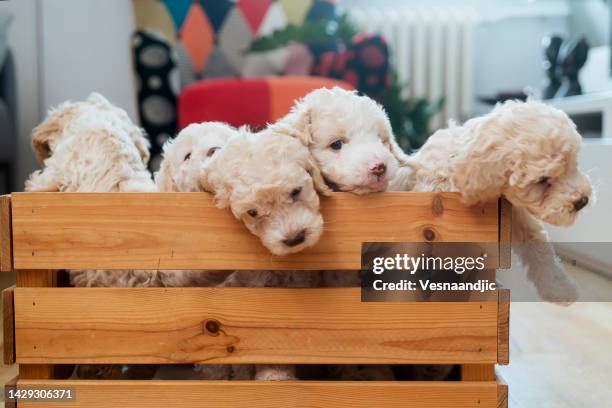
[[172, 62], [169, 63]]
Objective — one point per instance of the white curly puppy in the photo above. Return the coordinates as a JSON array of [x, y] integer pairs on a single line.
[[351, 142], [349, 138], [270, 184], [92, 146], [185, 161], [526, 152]]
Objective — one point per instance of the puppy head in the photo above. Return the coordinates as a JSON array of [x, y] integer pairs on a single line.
[[349, 137], [120, 118], [188, 155], [269, 182], [47, 135], [528, 152]]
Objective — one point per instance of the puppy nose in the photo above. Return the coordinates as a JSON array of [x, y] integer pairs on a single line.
[[378, 169], [581, 203], [297, 239]]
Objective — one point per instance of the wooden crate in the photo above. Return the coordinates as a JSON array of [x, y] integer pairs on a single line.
[[47, 327]]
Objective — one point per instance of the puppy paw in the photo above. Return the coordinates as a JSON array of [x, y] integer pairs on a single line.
[[562, 291]]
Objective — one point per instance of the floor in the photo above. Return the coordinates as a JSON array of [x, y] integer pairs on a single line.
[[561, 357]]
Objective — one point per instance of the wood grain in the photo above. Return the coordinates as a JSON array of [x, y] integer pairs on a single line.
[[502, 395], [503, 327], [478, 372], [264, 394], [6, 251], [8, 326], [246, 325], [505, 234], [185, 230], [34, 279]]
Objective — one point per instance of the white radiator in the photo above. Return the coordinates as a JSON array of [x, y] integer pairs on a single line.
[[432, 51]]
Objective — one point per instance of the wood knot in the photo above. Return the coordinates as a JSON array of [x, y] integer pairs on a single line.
[[429, 234], [212, 327], [437, 208], [230, 349]]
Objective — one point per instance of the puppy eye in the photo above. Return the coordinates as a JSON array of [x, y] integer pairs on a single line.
[[295, 193], [212, 151], [337, 145], [252, 213], [187, 156], [544, 180]]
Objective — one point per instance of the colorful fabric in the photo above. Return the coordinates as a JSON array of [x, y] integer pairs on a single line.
[[253, 102], [231, 25]]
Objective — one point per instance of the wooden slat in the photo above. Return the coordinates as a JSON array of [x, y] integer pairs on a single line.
[[478, 372], [503, 327], [185, 230], [10, 384], [502, 396], [8, 325], [273, 394], [6, 252], [505, 234], [35, 279], [241, 325]]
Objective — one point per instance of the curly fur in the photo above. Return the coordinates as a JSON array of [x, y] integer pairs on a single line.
[[92, 146], [325, 116], [524, 151]]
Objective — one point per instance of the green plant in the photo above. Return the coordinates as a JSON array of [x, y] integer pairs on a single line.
[[410, 117]]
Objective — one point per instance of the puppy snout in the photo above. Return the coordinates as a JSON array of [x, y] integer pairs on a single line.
[[297, 239], [581, 203], [378, 169]]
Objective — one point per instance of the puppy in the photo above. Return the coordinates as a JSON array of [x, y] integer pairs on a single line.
[[185, 160], [270, 183], [526, 152], [350, 140], [92, 146]]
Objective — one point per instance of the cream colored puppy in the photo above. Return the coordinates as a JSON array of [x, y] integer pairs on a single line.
[[92, 146], [526, 152], [185, 160], [270, 184], [349, 138]]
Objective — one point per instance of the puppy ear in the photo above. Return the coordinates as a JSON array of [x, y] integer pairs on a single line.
[[479, 168], [297, 123], [388, 139], [141, 141], [163, 178], [317, 178]]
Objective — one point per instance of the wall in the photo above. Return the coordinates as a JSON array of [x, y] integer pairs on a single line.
[[23, 37], [86, 47], [507, 39], [591, 18]]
